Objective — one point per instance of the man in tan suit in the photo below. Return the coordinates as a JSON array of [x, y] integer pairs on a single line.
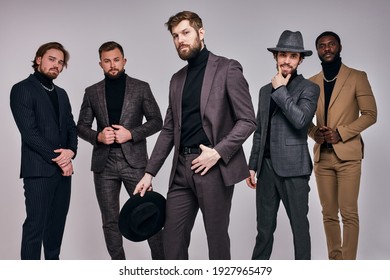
[[345, 108]]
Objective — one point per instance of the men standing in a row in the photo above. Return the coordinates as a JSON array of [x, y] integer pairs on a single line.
[[44, 117], [209, 117], [118, 103], [280, 156], [346, 107]]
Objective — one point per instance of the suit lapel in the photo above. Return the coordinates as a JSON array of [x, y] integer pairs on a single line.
[[211, 69], [127, 98], [177, 91], [61, 108], [101, 96], [42, 92], [265, 99], [341, 79]]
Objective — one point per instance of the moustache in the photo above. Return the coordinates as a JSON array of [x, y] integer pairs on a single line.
[[182, 46]]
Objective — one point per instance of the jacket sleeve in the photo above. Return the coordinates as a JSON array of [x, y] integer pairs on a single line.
[[72, 140], [367, 107], [152, 115], [84, 123], [300, 114], [22, 107], [241, 104]]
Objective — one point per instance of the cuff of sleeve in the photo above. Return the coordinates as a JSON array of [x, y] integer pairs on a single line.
[[341, 139]]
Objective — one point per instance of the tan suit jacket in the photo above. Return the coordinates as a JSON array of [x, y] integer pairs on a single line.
[[352, 109]]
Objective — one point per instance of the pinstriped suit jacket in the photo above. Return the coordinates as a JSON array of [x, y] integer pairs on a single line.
[[296, 106], [138, 103], [41, 133]]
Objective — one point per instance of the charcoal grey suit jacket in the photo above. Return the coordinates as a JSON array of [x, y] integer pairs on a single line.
[[227, 114], [296, 106], [138, 103]]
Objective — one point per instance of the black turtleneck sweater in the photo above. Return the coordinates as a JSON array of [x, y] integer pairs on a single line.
[[330, 70], [272, 108], [115, 94], [53, 96], [192, 133]]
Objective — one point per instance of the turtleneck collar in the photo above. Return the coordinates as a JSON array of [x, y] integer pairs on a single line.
[[200, 58], [120, 78], [45, 80], [331, 69]]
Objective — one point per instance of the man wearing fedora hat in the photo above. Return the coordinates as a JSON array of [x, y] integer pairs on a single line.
[[346, 107], [280, 156]]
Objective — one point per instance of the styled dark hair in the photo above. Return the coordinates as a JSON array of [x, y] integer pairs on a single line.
[[48, 46], [193, 18], [328, 33], [109, 46]]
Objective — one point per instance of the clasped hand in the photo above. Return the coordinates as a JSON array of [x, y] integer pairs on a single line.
[[64, 161], [116, 133], [326, 134]]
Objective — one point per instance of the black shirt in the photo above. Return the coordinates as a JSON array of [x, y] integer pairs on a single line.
[[192, 133], [115, 94]]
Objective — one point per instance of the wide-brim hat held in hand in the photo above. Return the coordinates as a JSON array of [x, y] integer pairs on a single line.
[[291, 41], [142, 217]]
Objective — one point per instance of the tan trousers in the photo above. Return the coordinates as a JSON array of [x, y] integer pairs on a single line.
[[338, 188]]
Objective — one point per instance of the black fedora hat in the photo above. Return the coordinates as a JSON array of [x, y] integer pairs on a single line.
[[142, 217], [291, 41]]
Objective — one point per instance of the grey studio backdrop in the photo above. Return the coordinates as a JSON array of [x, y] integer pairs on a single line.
[[236, 29]]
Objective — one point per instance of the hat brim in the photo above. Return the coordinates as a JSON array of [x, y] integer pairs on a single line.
[[305, 52], [152, 206]]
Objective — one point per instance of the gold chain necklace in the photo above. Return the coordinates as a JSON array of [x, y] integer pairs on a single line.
[[48, 89], [329, 81]]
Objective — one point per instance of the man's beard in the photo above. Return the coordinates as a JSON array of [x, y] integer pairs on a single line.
[[114, 76], [291, 70], [335, 58], [50, 74], [192, 50]]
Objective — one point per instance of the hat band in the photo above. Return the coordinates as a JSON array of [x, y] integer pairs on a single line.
[[289, 47]]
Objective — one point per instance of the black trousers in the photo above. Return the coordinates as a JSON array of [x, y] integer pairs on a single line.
[[47, 203], [294, 193]]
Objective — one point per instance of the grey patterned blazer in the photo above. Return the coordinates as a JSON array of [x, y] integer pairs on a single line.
[[138, 103], [296, 106]]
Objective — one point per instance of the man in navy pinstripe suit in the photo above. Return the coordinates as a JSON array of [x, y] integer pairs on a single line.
[[43, 115]]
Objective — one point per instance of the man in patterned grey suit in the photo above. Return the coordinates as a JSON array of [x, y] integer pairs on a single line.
[[44, 117], [118, 103], [280, 154]]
